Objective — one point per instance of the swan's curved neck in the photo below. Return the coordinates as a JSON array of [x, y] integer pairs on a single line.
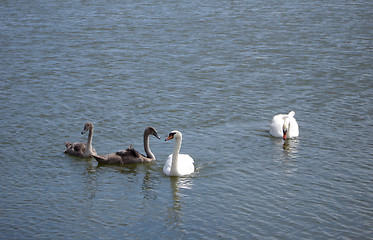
[[175, 154], [148, 152], [89, 142]]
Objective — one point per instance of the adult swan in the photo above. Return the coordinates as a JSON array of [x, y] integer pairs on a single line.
[[82, 149], [130, 155], [178, 164], [284, 125]]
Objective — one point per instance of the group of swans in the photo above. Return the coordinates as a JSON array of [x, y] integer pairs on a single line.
[[282, 125], [176, 164]]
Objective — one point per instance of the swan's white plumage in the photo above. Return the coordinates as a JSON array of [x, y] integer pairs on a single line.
[[185, 166], [178, 164], [277, 124]]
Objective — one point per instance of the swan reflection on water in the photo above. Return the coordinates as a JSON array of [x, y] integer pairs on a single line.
[[290, 148], [286, 154], [289, 163], [175, 211]]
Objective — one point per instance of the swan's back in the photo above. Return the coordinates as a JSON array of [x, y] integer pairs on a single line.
[[185, 166], [294, 128], [130, 155], [75, 149], [78, 150]]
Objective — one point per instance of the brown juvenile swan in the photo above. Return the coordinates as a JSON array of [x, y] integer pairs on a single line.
[[130, 155], [82, 149]]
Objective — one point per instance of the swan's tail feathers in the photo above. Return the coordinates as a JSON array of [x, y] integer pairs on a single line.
[[100, 159], [291, 114]]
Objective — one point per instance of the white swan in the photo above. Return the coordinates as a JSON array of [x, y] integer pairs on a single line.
[[284, 125], [178, 164], [82, 149]]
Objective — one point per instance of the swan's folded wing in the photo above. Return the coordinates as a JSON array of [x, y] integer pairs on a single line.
[[129, 152], [122, 153], [79, 147]]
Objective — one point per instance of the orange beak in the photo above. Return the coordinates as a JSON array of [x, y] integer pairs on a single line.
[[169, 137], [284, 135]]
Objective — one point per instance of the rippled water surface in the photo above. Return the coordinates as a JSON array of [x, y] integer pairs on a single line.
[[218, 71]]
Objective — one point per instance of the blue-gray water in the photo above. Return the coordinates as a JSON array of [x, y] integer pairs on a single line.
[[218, 71]]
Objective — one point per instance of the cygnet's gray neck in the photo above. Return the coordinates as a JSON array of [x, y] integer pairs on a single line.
[[148, 152]]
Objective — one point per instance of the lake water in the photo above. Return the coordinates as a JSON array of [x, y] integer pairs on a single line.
[[218, 71]]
